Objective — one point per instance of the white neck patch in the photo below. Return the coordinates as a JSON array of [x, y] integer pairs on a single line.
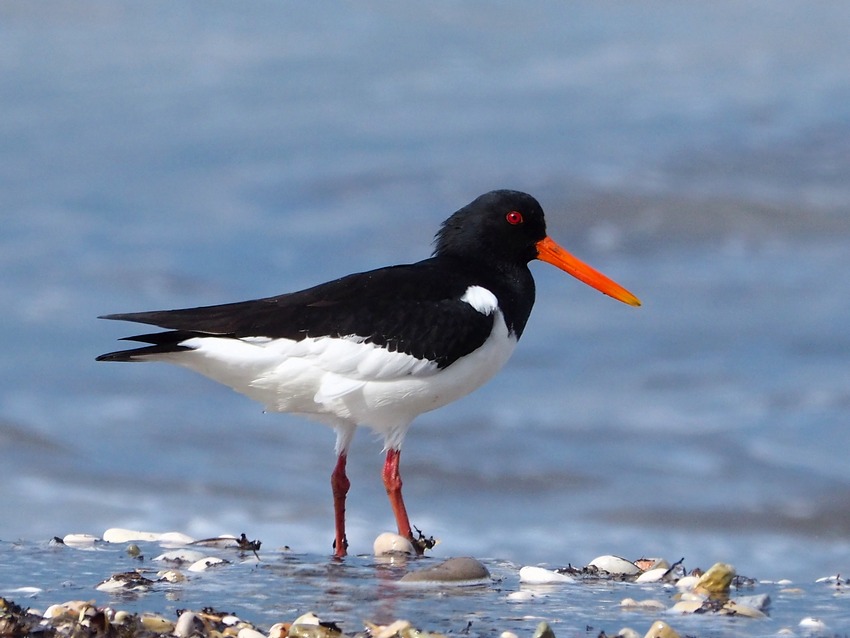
[[481, 299]]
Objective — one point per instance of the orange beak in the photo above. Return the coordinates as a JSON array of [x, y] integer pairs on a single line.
[[550, 252]]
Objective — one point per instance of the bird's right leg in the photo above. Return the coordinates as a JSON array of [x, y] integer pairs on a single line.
[[340, 485]]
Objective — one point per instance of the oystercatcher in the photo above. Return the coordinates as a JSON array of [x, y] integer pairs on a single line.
[[378, 348]]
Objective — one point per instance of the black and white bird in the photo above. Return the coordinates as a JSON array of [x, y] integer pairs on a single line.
[[378, 348]]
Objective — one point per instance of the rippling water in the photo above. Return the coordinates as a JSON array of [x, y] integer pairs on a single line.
[[164, 155]]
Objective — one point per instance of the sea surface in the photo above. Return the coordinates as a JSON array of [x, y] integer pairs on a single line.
[[161, 155]]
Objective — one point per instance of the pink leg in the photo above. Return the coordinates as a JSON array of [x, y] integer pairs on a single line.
[[392, 481], [339, 486]]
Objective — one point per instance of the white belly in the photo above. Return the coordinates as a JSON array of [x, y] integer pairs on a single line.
[[344, 381]]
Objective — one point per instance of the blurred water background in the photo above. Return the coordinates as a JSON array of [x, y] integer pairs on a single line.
[[161, 155]]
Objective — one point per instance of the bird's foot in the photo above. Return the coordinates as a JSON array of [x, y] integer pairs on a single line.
[[422, 543], [342, 550]]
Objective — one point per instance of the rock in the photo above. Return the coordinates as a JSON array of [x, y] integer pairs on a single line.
[[520, 596], [389, 544], [687, 583], [812, 625], [248, 632], [627, 632], [615, 565], [454, 570], [532, 575], [643, 605], [120, 535], [155, 622]]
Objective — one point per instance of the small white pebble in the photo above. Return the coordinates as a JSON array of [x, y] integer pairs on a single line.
[[615, 565], [310, 618], [686, 583], [508, 634], [248, 632], [533, 575]]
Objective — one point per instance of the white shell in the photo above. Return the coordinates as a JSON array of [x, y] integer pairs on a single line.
[[615, 565], [387, 544], [247, 632], [652, 576], [80, 540], [119, 535], [206, 563], [532, 575]]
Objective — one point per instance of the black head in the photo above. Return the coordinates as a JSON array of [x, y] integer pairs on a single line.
[[500, 226]]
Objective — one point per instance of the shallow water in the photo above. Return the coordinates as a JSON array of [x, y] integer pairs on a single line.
[[280, 586], [161, 155]]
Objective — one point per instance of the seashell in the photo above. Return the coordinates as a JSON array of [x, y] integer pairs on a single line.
[[249, 632], [80, 540], [508, 634], [687, 606], [206, 563], [648, 605], [185, 625], [120, 535], [389, 544], [812, 624], [661, 629], [522, 596], [310, 618], [126, 581], [716, 581], [225, 541], [170, 576], [653, 575], [462, 570], [532, 575], [155, 622], [615, 565], [279, 630], [628, 632], [543, 631], [393, 629], [733, 608], [180, 556], [645, 564], [175, 539], [687, 583]]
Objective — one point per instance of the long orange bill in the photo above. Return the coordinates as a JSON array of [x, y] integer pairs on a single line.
[[552, 253]]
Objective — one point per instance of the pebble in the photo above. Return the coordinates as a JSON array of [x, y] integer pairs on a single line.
[[389, 544], [248, 632], [614, 565], [120, 535], [523, 596], [460, 570], [532, 575]]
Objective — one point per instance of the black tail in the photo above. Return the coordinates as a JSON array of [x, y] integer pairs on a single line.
[[162, 343]]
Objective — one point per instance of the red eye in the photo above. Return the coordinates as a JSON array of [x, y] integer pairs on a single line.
[[514, 217]]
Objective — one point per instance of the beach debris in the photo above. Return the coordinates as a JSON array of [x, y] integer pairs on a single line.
[[716, 581], [462, 570]]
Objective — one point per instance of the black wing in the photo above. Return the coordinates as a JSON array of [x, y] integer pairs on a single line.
[[415, 309]]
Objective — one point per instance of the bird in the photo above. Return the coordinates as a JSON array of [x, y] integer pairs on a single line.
[[378, 348]]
